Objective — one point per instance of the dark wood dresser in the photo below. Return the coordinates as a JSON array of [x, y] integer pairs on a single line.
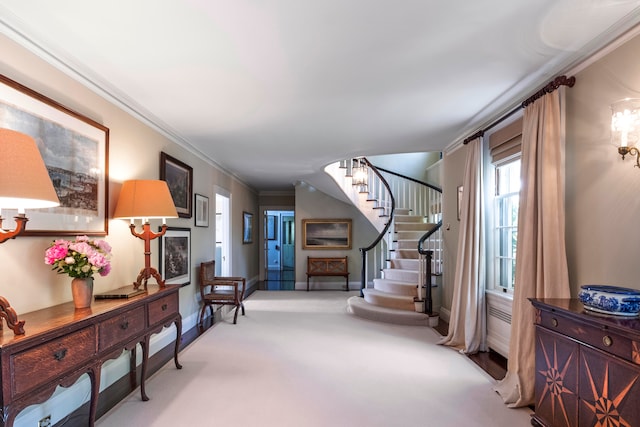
[[61, 343], [587, 366]]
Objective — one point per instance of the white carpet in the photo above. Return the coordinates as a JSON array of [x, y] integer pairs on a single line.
[[299, 359]]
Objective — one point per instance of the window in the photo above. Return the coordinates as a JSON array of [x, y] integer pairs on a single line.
[[506, 201], [505, 146]]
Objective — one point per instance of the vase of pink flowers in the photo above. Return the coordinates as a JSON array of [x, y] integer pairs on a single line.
[[80, 259]]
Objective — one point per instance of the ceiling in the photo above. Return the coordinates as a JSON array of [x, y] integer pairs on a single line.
[[274, 90]]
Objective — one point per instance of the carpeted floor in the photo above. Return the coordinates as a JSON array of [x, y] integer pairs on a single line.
[[299, 359]]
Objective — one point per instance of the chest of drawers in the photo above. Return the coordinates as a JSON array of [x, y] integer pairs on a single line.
[[587, 366], [62, 343]]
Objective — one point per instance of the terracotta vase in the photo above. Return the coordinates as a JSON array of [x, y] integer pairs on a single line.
[[82, 291]]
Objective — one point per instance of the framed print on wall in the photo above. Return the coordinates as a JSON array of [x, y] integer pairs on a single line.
[[326, 233], [175, 256], [271, 227], [202, 211], [75, 150], [247, 227], [179, 178], [459, 205]]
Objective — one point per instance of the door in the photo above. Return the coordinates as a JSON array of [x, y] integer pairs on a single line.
[[288, 239], [223, 233]]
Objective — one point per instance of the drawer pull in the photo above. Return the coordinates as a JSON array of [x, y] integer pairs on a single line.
[[607, 341], [554, 322], [124, 325], [164, 307], [60, 354]]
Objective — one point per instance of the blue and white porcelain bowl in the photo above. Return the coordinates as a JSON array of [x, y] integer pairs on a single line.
[[610, 299]]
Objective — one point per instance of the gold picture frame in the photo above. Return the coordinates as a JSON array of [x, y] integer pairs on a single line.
[[326, 233]]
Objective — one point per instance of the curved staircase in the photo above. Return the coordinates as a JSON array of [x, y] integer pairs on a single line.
[[391, 299], [402, 254]]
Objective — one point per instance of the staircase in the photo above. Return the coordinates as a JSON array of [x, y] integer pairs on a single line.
[[397, 256]]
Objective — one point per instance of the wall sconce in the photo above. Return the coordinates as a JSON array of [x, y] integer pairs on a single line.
[[625, 127], [146, 199], [24, 184]]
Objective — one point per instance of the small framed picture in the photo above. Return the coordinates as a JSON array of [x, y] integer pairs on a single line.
[[175, 256], [179, 178], [202, 211], [247, 227], [460, 188]]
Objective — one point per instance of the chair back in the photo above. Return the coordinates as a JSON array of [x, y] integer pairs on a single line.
[[207, 275]]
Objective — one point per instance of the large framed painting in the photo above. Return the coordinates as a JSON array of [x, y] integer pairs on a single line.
[[175, 256], [326, 233], [179, 178], [75, 150]]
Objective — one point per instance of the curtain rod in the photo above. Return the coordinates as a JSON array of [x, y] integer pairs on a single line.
[[550, 87]]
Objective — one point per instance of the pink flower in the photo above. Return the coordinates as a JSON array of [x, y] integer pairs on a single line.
[[55, 253]]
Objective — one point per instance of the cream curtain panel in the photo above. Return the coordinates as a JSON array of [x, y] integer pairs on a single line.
[[541, 266], [467, 331]]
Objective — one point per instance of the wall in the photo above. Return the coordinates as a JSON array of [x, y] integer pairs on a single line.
[[134, 152], [602, 205], [313, 204], [453, 173]]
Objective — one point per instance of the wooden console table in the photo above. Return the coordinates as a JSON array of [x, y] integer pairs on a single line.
[[328, 266], [587, 366], [61, 343]]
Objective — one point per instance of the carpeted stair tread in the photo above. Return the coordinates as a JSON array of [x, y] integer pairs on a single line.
[[389, 300], [396, 287], [359, 307]]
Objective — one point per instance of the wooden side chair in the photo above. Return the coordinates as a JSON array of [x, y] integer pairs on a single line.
[[216, 290]]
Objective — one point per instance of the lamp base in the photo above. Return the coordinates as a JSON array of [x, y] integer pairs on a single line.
[[145, 274], [10, 315]]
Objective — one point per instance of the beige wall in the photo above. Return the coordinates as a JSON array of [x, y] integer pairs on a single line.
[[602, 202], [313, 204], [602, 206], [453, 172], [134, 152]]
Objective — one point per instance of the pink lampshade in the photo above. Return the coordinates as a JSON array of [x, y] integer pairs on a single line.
[[24, 180], [145, 199]]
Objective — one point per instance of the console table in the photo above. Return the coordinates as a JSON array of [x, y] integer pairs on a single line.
[[587, 366], [61, 343]]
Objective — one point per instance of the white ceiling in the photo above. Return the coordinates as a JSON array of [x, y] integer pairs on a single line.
[[274, 90]]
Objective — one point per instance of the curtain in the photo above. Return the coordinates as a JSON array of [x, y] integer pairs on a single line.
[[541, 264], [467, 331]]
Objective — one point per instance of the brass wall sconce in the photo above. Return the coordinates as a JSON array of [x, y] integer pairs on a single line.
[[625, 127]]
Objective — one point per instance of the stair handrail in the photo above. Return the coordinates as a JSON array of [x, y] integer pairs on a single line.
[[428, 308], [363, 251], [433, 187]]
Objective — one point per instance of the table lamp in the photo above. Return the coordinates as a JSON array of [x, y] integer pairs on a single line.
[[24, 184], [146, 199]]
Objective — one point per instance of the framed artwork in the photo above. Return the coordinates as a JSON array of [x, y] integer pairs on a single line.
[[75, 150], [271, 227], [179, 178], [175, 256], [202, 211], [326, 234], [459, 202], [247, 227]]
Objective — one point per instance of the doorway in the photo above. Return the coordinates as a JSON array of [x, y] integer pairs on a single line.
[[279, 238], [223, 231]]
